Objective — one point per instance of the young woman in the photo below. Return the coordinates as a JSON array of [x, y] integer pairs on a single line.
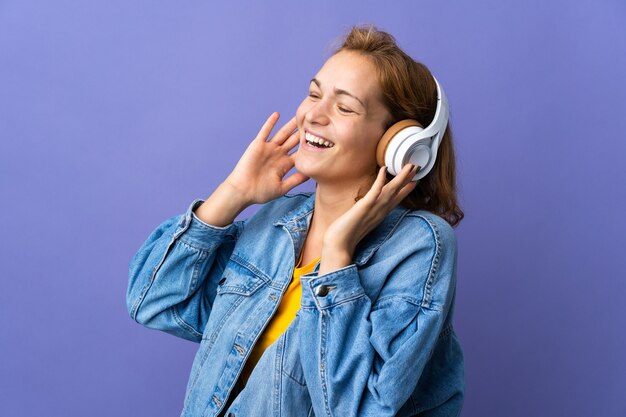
[[333, 303]]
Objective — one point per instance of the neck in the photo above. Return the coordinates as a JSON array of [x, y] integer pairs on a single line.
[[333, 199]]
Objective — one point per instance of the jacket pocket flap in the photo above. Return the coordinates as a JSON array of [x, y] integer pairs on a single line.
[[238, 279]]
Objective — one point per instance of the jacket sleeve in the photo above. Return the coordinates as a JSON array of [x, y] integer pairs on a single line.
[[365, 359], [174, 275]]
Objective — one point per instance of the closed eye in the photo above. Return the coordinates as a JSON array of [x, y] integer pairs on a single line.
[[341, 109], [345, 110]]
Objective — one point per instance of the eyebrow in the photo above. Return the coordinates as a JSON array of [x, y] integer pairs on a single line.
[[338, 91]]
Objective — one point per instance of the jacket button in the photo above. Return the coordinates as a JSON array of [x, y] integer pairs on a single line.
[[322, 290], [231, 415], [223, 280]]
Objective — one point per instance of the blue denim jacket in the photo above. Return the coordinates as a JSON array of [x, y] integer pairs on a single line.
[[374, 338]]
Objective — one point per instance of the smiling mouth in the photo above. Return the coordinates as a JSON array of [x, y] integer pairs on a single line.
[[317, 141]]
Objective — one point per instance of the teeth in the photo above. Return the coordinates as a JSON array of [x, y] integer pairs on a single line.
[[312, 138]]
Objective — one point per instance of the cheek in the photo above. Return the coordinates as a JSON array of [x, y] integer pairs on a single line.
[[362, 137], [300, 112]]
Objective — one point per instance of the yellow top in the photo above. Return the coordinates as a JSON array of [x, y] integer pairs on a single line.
[[285, 313]]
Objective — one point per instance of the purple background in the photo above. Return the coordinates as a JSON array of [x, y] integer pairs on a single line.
[[115, 115]]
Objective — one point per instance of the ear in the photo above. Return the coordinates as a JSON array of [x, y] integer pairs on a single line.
[[384, 141]]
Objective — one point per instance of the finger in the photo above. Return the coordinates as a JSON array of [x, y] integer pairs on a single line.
[[404, 176], [397, 181], [407, 185], [390, 192], [284, 132], [374, 192], [415, 170], [288, 162], [292, 158], [293, 180], [292, 141], [404, 191], [412, 179], [267, 127]]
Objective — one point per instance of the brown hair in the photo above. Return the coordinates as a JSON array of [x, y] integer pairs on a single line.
[[410, 92]]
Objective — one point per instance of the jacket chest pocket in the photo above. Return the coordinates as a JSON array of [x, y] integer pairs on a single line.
[[238, 279], [235, 302]]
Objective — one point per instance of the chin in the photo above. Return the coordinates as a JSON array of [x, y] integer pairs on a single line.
[[318, 172], [306, 169], [312, 174]]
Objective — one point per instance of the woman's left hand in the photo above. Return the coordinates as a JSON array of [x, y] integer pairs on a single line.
[[346, 232]]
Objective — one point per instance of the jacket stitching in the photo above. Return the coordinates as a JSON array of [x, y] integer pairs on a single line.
[[240, 289], [324, 334], [446, 331], [365, 256], [210, 340], [434, 263], [303, 193], [278, 364], [183, 324], [147, 287], [285, 346], [188, 243], [250, 267], [390, 298], [336, 303], [219, 326], [293, 378], [196, 273]]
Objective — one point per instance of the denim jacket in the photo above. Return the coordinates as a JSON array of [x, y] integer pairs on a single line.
[[373, 338]]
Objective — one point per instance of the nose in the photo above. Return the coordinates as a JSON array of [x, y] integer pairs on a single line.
[[317, 113]]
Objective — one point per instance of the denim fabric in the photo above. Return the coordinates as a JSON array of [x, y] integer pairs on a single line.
[[377, 341]]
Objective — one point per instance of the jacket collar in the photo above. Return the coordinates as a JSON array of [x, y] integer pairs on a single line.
[[299, 218]]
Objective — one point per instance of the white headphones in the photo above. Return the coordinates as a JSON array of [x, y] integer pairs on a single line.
[[408, 142]]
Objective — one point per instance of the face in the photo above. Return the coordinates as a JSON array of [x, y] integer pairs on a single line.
[[344, 109]]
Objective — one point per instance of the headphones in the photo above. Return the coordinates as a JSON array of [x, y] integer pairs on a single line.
[[408, 142]]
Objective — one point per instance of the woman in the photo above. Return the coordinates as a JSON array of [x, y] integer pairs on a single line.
[[333, 303]]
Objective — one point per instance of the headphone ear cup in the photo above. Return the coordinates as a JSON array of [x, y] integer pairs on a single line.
[[384, 141]]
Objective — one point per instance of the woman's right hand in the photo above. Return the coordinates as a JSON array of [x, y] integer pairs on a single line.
[[258, 176]]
